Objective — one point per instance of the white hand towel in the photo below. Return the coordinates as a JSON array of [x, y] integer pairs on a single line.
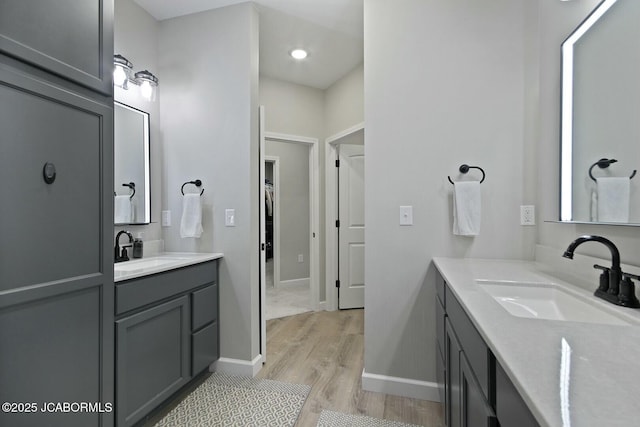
[[466, 208], [122, 210], [191, 223], [613, 199]]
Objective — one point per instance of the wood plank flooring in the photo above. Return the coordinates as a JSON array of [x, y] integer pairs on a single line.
[[325, 350]]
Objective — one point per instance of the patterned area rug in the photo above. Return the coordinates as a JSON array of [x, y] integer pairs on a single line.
[[226, 400], [338, 419]]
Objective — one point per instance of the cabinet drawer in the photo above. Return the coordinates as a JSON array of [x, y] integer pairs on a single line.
[[135, 293], [204, 306], [440, 326], [204, 348], [478, 354], [510, 408]]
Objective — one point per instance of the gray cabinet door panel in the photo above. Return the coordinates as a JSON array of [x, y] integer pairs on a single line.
[[472, 343], [510, 408], [51, 352], [205, 348], [153, 355], [62, 221], [476, 411], [71, 38]]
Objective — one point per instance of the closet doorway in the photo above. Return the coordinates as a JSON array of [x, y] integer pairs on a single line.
[[289, 216]]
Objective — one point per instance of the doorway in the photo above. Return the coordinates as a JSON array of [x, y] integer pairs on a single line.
[[345, 228], [311, 145], [287, 221]]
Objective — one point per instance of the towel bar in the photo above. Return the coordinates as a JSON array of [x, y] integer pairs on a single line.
[[464, 168], [197, 183]]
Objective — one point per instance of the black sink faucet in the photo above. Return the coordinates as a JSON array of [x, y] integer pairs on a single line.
[[117, 255], [615, 286]]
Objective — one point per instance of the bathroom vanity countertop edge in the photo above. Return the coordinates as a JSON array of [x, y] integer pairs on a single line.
[[173, 260]]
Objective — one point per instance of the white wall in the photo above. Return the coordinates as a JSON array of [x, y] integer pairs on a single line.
[[344, 102], [136, 38], [209, 77], [444, 84], [557, 21]]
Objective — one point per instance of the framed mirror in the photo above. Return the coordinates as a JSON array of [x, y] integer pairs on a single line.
[[132, 204], [600, 135]]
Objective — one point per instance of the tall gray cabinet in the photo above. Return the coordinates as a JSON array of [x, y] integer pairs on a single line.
[[56, 213]]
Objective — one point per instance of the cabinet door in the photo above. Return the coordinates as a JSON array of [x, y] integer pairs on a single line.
[[476, 412], [153, 354], [453, 412], [56, 269], [71, 38]]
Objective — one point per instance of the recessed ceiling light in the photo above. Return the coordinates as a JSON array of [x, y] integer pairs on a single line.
[[299, 53]]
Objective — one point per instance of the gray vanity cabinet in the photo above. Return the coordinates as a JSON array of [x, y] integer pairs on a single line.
[[166, 334], [474, 388], [72, 38], [56, 266]]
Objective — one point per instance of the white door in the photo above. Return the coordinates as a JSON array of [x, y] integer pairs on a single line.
[[263, 242], [351, 230]]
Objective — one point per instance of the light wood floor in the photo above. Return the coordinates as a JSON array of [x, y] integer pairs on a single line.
[[325, 350]]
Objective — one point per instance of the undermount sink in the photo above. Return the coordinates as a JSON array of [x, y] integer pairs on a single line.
[[551, 301]]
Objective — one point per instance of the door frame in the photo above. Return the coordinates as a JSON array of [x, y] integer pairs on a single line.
[[276, 223], [331, 210], [314, 209]]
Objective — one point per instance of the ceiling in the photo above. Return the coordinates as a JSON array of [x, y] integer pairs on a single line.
[[330, 30]]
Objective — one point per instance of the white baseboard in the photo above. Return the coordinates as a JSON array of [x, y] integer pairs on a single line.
[[322, 306], [305, 281], [244, 368], [397, 386]]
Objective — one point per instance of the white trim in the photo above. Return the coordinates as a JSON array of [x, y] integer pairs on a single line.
[[353, 129], [290, 138], [304, 281], [397, 386], [247, 368], [331, 213], [276, 224]]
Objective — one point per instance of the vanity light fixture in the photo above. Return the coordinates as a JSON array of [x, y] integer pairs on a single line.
[[298, 53], [122, 76]]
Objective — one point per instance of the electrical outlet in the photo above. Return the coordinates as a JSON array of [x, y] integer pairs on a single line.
[[300, 258], [527, 215], [166, 218]]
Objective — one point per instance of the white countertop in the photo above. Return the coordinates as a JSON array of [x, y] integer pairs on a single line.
[[569, 373], [138, 267]]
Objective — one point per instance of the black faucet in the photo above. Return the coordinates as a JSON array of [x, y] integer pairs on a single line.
[[117, 256], [615, 285]]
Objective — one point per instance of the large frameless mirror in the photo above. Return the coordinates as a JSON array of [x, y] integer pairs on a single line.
[[600, 136], [132, 199]]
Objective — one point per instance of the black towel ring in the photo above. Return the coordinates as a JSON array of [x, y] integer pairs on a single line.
[[197, 183], [465, 168], [603, 164], [131, 186]]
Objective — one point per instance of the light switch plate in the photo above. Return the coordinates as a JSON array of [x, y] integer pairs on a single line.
[[406, 215], [230, 217]]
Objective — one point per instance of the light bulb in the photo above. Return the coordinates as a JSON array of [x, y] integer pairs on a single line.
[[299, 53], [146, 90], [119, 76]]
